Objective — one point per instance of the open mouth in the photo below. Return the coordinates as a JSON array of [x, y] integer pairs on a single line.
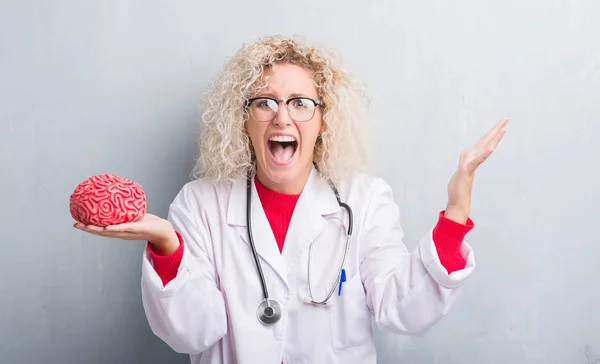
[[282, 148]]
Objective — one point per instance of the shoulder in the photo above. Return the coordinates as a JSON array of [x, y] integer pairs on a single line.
[[201, 192], [364, 186], [367, 193]]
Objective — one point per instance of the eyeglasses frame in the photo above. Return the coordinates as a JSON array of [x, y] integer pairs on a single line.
[[287, 103]]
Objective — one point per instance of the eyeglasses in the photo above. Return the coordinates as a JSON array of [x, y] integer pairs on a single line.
[[300, 109]]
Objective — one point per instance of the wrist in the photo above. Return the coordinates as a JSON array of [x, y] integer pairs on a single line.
[[457, 213], [166, 245], [465, 174]]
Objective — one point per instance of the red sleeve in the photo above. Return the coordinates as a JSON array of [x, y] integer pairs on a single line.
[[448, 236], [167, 265]]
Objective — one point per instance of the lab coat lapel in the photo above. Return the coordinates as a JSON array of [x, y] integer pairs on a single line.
[[262, 234], [316, 201]]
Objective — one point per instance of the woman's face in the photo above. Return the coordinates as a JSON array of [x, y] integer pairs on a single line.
[[284, 147]]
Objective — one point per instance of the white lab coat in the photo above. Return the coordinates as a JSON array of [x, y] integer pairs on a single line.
[[209, 310]]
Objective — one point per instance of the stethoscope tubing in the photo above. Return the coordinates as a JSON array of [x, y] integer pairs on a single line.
[[251, 239], [342, 265], [275, 311]]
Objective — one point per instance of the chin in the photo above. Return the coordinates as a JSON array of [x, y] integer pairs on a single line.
[[283, 176], [287, 178]]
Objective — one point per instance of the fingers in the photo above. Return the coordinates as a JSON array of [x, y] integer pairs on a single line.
[[128, 227], [492, 134], [101, 231], [472, 158], [490, 140], [496, 139]]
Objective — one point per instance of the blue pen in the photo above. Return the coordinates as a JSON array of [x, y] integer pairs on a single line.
[[342, 280]]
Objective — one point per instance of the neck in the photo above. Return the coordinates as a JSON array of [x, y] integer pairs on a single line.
[[293, 187]]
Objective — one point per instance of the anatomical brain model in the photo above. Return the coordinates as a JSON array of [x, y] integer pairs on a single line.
[[107, 199]]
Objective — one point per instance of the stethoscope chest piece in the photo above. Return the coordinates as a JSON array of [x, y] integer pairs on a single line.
[[269, 312]]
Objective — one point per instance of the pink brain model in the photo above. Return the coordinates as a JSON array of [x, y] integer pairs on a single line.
[[107, 199]]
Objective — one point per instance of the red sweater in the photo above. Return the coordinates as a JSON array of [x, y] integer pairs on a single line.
[[447, 234]]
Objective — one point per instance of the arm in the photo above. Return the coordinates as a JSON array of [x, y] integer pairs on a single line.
[[407, 292], [188, 313]]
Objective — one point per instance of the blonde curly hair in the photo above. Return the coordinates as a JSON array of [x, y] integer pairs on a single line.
[[226, 151]]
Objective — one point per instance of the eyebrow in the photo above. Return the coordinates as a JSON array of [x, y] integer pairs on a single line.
[[292, 95]]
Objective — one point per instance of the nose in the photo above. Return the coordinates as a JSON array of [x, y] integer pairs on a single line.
[[282, 116]]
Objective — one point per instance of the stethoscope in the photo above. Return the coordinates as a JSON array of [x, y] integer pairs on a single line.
[[269, 311]]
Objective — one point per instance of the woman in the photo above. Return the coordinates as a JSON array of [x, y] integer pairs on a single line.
[[251, 249]]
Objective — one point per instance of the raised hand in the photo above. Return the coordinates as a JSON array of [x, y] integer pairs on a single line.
[[159, 232], [461, 183]]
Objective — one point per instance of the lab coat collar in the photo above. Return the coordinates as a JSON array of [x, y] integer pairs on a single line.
[[316, 201], [317, 193]]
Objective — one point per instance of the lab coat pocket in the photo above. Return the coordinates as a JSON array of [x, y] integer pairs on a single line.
[[350, 317]]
